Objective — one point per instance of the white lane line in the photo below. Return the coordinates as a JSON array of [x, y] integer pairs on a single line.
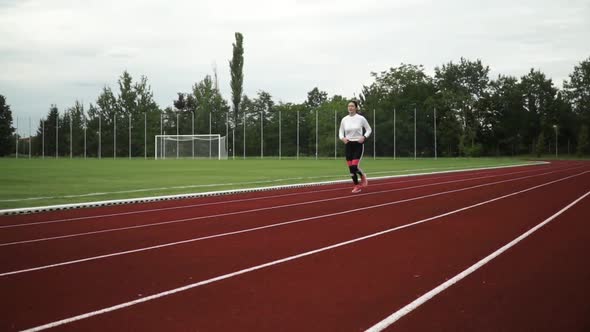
[[248, 230], [100, 216], [38, 209], [427, 296], [174, 221], [276, 262], [217, 185]]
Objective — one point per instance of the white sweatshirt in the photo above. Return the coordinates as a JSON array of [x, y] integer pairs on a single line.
[[351, 127]]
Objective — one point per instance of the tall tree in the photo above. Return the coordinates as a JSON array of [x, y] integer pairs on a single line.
[[577, 93], [463, 86], [51, 131], [185, 107], [236, 66], [77, 116], [107, 109], [403, 89], [315, 98], [508, 118], [125, 107], [205, 99], [92, 138], [577, 90], [147, 113], [263, 106], [538, 95], [6, 128], [126, 100]]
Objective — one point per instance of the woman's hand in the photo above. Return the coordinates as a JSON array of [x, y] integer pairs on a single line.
[[362, 139], [344, 140]]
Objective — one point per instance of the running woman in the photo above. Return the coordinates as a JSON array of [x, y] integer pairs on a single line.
[[351, 133]]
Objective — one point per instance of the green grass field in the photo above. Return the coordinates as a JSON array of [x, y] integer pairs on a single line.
[[36, 182]]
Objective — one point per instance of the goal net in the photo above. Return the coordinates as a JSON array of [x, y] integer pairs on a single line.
[[190, 146]]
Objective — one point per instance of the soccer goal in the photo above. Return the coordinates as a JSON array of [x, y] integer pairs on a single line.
[[190, 147]]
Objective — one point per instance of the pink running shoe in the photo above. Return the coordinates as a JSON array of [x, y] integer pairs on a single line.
[[364, 181], [356, 189]]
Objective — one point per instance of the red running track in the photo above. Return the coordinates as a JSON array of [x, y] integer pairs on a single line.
[[342, 287]]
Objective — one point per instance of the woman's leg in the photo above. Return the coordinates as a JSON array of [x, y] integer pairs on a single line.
[[350, 152], [357, 155]]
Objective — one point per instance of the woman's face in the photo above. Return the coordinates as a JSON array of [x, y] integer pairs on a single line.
[[351, 108]]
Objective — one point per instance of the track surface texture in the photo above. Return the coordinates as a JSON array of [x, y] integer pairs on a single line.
[[486, 250]]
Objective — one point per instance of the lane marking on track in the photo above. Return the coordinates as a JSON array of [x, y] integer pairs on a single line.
[[248, 230], [175, 221], [100, 216], [149, 199], [394, 317], [280, 261]]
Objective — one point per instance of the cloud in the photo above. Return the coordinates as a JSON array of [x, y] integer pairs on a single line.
[[62, 50]]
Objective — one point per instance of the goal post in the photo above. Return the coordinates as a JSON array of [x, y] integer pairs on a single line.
[[190, 147]]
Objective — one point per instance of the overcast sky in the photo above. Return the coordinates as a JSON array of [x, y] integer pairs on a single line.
[[57, 51]]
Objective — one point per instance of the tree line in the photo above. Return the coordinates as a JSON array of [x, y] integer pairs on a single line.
[[474, 115]]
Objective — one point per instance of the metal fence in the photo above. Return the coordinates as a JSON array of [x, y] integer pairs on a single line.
[[404, 133]]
